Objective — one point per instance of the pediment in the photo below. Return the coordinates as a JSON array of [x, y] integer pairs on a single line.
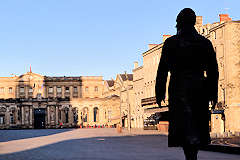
[[29, 76]]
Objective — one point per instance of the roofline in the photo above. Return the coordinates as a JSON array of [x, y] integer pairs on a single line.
[[152, 49]]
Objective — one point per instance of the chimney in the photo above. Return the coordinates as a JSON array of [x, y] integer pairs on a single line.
[[135, 64], [199, 20], [150, 46], [224, 18], [165, 37]]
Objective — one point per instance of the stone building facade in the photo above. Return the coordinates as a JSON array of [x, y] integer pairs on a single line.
[[122, 87], [35, 101], [225, 38], [226, 41], [144, 85]]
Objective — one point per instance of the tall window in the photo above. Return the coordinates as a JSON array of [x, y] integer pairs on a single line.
[[50, 90], [85, 114], [95, 113], [10, 90], [12, 118], [66, 115], [21, 89], [59, 89], [2, 119], [2, 90], [75, 90], [109, 116], [30, 90], [86, 89], [67, 89], [96, 89]]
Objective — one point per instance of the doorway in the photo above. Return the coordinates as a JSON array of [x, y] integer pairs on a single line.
[[39, 118]]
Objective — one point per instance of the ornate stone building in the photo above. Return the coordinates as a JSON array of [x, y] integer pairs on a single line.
[[122, 87], [226, 41], [35, 101]]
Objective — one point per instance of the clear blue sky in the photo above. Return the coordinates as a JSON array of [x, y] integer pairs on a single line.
[[90, 37]]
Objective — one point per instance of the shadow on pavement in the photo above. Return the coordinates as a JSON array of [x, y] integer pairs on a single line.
[[8, 135], [153, 147], [103, 148]]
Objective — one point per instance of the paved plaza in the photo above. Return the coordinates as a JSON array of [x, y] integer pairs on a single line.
[[90, 144]]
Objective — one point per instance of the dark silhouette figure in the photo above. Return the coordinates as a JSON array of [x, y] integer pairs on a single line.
[[191, 61]]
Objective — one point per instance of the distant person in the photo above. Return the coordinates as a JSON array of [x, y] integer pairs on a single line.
[[191, 61]]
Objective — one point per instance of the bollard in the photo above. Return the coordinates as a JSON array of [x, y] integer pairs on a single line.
[[119, 128]]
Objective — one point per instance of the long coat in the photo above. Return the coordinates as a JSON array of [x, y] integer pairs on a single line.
[[191, 61]]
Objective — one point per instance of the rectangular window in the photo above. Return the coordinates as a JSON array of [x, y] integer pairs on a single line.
[[86, 89], [11, 119], [2, 90], [50, 90], [21, 89], [75, 90], [2, 119], [59, 89], [96, 89], [30, 90], [67, 89]]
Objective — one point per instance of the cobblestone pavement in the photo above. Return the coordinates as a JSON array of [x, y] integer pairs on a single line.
[[90, 144]]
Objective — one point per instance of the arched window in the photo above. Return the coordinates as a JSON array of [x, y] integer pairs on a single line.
[[10, 90], [95, 113], [85, 114], [96, 89], [66, 115]]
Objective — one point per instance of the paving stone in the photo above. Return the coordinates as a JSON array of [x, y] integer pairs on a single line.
[[91, 144]]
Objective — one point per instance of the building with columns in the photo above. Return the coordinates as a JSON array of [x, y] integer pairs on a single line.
[[35, 101]]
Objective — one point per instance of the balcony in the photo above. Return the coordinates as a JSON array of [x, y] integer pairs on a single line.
[[148, 101]]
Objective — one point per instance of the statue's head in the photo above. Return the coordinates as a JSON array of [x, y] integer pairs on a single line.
[[186, 18]]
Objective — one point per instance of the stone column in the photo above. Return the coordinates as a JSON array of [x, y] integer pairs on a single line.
[[48, 115], [22, 115], [70, 115], [17, 91], [30, 115], [44, 93], [56, 115], [55, 91], [63, 118], [7, 116], [79, 115], [63, 92], [79, 91], [90, 111], [71, 92], [26, 91]]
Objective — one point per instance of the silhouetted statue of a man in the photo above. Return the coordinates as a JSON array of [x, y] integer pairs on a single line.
[[191, 61]]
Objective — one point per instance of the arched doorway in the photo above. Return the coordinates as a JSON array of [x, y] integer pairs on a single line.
[[85, 114], [95, 114]]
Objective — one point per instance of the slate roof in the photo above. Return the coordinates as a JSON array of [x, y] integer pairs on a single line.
[[124, 78], [110, 83]]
